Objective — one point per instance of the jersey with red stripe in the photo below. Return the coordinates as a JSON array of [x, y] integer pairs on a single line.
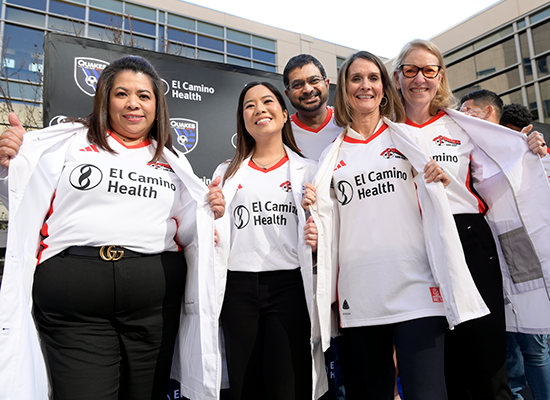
[[451, 147], [264, 220], [113, 199], [384, 274], [312, 142]]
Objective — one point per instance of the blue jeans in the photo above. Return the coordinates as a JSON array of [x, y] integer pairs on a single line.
[[528, 361]]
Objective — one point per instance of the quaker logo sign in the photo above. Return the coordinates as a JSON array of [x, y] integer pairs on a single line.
[[185, 133], [86, 73]]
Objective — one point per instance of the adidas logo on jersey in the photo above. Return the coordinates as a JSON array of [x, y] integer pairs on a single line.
[[286, 186], [90, 148], [445, 141], [392, 152], [340, 165]]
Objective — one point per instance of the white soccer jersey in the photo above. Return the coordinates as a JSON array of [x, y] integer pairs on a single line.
[[264, 221], [86, 209], [312, 142], [453, 150], [384, 274]]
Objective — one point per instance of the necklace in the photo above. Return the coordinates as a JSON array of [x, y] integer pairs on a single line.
[[265, 166]]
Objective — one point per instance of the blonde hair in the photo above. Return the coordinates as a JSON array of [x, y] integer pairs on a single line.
[[392, 109], [444, 97]]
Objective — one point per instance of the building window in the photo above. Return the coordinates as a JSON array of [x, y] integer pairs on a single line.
[[482, 64]]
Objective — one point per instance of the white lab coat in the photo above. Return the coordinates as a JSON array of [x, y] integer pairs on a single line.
[[514, 184], [461, 299], [301, 172], [33, 176]]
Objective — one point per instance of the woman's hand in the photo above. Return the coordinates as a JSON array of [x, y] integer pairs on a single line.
[[11, 140], [215, 198], [536, 141], [309, 196], [216, 238], [434, 173], [310, 234]]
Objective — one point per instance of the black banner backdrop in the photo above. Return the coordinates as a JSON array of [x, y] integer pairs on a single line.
[[202, 96]]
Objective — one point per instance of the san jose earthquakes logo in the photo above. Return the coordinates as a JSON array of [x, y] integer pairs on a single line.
[[286, 186], [344, 192], [85, 177], [392, 152], [86, 73], [185, 134], [445, 141], [241, 217]]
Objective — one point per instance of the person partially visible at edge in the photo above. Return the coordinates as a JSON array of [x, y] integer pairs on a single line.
[[475, 366], [267, 305], [106, 219], [376, 245], [306, 86], [527, 350]]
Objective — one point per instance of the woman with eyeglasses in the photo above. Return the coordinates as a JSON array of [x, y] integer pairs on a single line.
[[475, 364], [384, 225]]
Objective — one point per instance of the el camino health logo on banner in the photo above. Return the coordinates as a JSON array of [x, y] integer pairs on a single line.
[[185, 133], [86, 73]]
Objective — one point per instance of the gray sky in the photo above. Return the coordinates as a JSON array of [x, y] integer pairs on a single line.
[[379, 26]]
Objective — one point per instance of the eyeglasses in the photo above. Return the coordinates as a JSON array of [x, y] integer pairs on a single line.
[[429, 71], [312, 81]]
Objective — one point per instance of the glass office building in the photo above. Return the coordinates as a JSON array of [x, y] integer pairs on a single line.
[[24, 23], [511, 60]]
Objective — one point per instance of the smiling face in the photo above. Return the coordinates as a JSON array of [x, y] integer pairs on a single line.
[[132, 106], [307, 89], [364, 88], [262, 114], [419, 91]]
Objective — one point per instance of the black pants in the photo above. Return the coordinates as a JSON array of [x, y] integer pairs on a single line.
[[109, 328], [475, 351], [366, 355], [267, 335]]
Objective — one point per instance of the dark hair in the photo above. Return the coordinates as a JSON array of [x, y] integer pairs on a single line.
[[245, 142], [392, 109], [485, 98], [300, 61], [98, 120], [516, 114]]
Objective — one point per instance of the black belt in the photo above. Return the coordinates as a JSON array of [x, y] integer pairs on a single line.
[[107, 253]]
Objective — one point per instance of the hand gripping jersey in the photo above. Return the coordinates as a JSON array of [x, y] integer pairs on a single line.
[[86, 208], [384, 272], [454, 151], [312, 142], [264, 230]]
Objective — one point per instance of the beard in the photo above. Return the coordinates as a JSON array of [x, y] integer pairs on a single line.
[[323, 98]]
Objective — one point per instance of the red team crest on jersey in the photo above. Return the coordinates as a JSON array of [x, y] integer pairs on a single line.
[[286, 186], [392, 152], [161, 166], [436, 295], [445, 141]]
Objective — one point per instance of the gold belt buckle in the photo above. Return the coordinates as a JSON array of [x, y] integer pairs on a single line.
[[107, 253]]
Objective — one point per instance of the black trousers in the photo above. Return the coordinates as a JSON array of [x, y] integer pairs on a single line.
[[108, 328], [366, 355], [267, 334], [475, 351]]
